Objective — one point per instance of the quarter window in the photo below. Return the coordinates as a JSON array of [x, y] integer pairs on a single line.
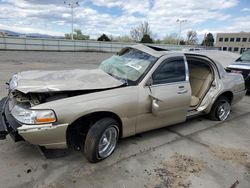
[[170, 71]]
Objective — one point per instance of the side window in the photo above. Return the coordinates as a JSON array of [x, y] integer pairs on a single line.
[[170, 71]]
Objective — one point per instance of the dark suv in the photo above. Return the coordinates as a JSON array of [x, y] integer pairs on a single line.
[[242, 66]]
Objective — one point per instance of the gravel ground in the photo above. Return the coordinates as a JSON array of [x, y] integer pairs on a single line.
[[197, 153]]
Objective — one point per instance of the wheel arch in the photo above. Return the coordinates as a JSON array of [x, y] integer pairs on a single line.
[[80, 126], [228, 94]]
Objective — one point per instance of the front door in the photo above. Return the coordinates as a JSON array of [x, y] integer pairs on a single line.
[[167, 100]]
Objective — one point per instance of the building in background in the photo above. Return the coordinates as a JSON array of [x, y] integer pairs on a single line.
[[234, 42]]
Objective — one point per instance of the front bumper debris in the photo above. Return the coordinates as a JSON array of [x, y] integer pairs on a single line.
[[3, 130], [8, 125]]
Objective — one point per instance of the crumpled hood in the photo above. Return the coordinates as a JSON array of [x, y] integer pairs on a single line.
[[63, 80]]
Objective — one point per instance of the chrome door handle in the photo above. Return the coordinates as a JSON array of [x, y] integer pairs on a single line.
[[182, 91]]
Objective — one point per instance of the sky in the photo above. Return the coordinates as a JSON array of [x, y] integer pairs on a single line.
[[117, 17]]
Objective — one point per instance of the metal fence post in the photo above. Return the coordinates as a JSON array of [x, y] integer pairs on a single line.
[[25, 45], [5, 43], [58, 45], [43, 47], [74, 45]]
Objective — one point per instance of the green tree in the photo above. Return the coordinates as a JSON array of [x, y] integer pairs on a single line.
[[77, 35], [103, 37], [146, 39], [208, 40], [182, 42]]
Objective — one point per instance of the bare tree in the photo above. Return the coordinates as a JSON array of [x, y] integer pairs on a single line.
[[191, 37], [141, 30]]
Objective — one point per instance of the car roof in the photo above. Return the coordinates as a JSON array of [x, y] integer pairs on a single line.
[[224, 58], [153, 51]]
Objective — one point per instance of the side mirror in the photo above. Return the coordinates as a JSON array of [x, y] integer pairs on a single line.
[[149, 82], [155, 105]]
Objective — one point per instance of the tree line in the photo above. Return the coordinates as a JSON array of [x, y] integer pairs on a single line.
[[143, 34]]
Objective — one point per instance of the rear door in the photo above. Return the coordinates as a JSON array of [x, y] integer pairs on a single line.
[[167, 100]]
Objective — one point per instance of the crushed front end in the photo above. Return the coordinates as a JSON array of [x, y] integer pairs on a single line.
[[8, 124]]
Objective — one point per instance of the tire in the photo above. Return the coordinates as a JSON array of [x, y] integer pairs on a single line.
[[220, 107], [106, 131]]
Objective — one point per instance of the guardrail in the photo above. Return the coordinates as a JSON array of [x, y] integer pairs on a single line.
[[41, 44]]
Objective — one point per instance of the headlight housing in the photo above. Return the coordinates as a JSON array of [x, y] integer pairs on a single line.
[[33, 117]]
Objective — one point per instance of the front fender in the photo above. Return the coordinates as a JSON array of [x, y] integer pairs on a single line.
[[122, 102]]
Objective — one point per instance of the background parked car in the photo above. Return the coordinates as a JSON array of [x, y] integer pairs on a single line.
[[242, 66]]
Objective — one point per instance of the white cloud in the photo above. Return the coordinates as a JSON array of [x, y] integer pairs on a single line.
[[52, 16], [237, 25], [30, 30], [245, 9]]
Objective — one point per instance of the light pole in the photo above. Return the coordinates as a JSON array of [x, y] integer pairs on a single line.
[[72, 4], [180, 21]]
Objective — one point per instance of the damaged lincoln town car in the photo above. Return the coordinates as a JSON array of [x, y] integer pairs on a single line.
[[139, 89]]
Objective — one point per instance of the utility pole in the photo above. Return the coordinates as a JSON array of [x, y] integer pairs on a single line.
[[180, 21], [72, 4]]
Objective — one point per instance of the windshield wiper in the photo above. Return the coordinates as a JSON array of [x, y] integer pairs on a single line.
[[125, 81], [110, 74]]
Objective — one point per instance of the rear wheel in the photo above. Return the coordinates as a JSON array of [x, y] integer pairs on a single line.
[[221, 109], [101, 139]]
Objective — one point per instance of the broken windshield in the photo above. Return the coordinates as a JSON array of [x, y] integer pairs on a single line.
[[128, 66]]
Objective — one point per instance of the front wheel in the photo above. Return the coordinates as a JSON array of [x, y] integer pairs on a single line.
[[101, 139], [220, 110]]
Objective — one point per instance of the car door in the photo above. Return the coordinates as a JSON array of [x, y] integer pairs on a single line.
[[166, 98]]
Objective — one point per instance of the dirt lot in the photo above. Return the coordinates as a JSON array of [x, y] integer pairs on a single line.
[[197, 153]]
